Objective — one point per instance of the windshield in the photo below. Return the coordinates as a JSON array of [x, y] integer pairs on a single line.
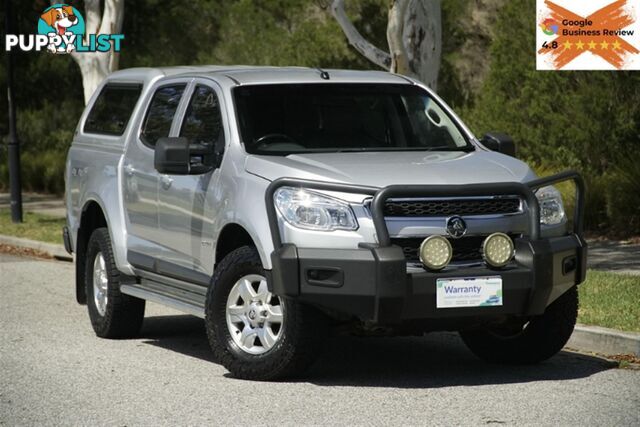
[[318, 118]]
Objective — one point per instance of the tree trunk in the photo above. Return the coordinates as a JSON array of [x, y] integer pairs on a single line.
[[96, 66], [94, 69], [414, 36], [395, 38], [422, 35], [356, 40]]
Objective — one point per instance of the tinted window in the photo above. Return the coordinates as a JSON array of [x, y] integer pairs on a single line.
[[163, 107], [202, 121], [112, 110], [306, 118]]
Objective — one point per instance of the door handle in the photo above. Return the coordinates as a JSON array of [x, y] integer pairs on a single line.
[[129, 170], [166, 182]]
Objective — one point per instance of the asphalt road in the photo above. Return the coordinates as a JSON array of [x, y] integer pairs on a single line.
[[54, 371]]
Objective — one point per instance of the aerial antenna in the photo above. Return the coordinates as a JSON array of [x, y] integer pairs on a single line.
[[323, 74]]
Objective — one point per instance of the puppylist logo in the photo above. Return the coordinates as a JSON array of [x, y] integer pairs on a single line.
[[61, 30]]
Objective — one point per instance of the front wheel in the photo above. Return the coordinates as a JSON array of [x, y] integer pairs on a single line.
[[255, 334], [527, 342]]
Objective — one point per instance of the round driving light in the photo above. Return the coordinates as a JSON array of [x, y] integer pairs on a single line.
[[497, 249], [435, 252]]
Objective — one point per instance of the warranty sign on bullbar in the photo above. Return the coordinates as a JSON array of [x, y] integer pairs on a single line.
[[588, 35]]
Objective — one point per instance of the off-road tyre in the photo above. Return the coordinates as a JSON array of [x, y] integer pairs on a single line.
[[543, 337], [302, 336], [123, 313]]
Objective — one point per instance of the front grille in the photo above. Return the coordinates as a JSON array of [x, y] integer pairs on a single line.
[[465, 250], [444, 208]]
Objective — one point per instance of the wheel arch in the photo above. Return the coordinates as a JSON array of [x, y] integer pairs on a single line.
[[231, 237], [92, 216]]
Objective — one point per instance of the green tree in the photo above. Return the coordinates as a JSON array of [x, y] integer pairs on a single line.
[[588, 120], [291, 32]]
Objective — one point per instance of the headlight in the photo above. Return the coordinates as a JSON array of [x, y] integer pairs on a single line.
[[313, 211], [551, 207]]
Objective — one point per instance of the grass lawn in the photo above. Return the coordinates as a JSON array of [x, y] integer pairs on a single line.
[[610, 300], [35, 226]]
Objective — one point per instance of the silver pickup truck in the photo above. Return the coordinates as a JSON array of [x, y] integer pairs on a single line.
[[281, 204]]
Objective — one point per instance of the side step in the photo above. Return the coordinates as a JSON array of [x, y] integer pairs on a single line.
[[180, 299]]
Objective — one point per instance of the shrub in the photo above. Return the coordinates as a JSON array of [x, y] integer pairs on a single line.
[[612, 204], [41, 172], [583, 120], [622, 195]]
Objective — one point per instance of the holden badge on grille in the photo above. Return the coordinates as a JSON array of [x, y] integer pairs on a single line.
[[456, 227]]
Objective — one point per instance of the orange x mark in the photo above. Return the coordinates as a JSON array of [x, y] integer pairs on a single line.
[[611, 48]]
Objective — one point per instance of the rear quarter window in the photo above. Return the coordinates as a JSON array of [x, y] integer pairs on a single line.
[[112, 110]]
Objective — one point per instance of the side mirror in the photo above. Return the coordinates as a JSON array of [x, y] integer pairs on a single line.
[[175, 156], [499, 142]]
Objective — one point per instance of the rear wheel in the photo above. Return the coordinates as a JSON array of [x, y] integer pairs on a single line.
[[255, 334], [112, 314], [527, 342]]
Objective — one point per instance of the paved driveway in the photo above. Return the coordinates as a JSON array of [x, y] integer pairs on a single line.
[[46, 204], [615, 257], [54, 371]]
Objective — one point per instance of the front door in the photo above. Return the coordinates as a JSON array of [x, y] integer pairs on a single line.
[[187, 203]]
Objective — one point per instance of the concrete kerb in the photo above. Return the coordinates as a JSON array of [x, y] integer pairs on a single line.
[[604, 341], [51, 249]]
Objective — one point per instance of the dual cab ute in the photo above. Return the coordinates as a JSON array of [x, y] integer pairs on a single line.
[[278, 203]]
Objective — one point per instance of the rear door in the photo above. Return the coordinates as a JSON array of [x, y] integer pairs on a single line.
[[187, 203], [140, 179]]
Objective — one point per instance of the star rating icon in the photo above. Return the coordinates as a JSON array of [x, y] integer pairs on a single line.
[[593, 45]]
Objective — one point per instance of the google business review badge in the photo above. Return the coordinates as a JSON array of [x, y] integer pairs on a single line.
[[588, 35]]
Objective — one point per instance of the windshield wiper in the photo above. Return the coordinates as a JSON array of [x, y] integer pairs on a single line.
[[465, 149], [350, 150]]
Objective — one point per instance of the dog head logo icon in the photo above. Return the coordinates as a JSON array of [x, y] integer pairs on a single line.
[[62, 23], [60, 18]]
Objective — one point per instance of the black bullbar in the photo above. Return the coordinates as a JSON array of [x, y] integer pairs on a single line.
[[372, 283]]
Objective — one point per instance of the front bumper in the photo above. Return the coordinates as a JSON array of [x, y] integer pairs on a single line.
[[372, 282]]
